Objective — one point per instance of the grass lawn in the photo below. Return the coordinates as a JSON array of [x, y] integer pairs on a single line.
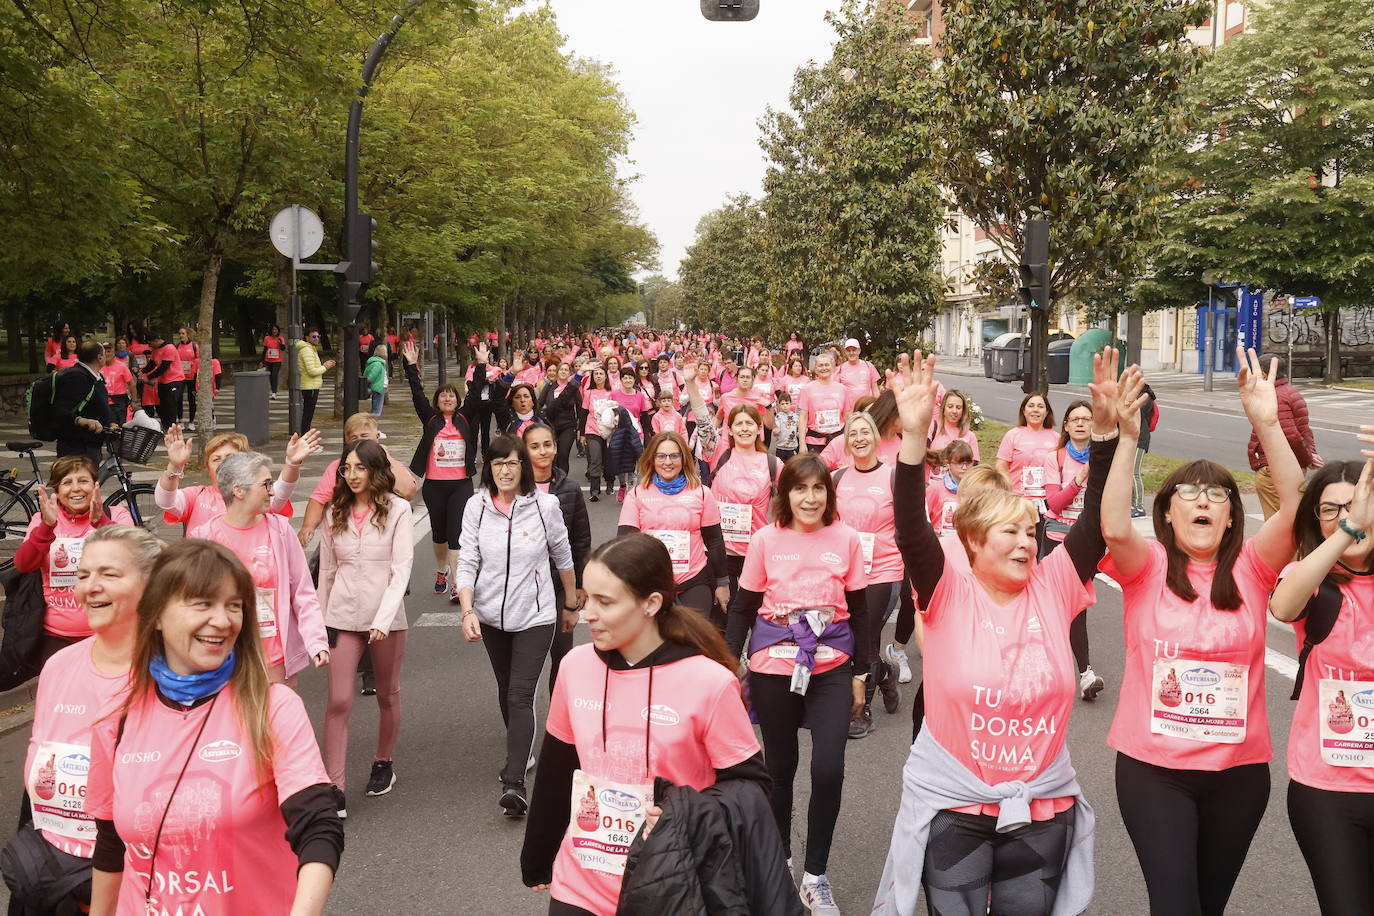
[[1365, 383], [1154, 469]]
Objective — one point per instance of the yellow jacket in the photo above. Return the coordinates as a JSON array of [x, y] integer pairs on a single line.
[[311, 369]]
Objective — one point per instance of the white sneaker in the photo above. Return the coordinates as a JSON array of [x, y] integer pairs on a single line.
[[894, 656], [816, 896], [1090, 684]]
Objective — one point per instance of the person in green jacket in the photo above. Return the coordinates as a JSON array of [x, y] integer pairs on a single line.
[[375, 373], [312, 374]]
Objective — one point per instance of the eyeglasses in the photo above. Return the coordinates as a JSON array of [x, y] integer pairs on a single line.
[[506, 463], [1329, 512], [667, 456], [349, 470], [961, 464], [1191, 491]]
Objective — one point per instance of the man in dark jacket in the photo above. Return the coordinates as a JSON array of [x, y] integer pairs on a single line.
[[1293, 420], [81, 404]]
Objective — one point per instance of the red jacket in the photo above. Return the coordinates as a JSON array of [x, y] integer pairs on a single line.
[[1293, 419]]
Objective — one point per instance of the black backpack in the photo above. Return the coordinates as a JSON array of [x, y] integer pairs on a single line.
[[1320, 615], [38, 402], [23, 627]]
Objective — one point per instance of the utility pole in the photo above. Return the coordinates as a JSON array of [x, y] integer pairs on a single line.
[[1037, 293]]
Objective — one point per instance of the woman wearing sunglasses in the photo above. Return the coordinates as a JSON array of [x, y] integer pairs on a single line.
[[1191, 729]]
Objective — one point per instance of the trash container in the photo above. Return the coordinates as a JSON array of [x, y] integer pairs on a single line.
[[250, 406], [1008, 358], [1059, 360], [987, 359], [1081, 354]]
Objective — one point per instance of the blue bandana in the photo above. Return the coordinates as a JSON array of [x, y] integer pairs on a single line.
[[951, 484], [187, 688], [670, 487], [1080, 456]]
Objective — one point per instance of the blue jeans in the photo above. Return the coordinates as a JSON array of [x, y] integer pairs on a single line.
[[378, 398]]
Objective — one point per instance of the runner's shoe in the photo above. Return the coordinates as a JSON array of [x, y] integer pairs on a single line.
[[369, 685], [514, 802], [620, 495], [887, 686], [816, 896], [1090, 684], [382, 779], [861, 726], [340, 804], [895, 656], [440, 583]]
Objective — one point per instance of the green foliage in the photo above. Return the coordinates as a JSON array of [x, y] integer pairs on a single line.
[[724, 285]]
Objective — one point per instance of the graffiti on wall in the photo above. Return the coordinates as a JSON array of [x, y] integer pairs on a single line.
[[1305, 328]]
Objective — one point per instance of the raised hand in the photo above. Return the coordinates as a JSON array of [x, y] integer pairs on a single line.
[[1105, 389], [178, 448], [47, 506], [97, 504], [483, 354], [409, 352], [1257, 392], [1362, 503], [1131, 397], [302, 447], [916, 400]]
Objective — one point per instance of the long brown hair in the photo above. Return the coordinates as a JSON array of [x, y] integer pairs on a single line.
[[1307, 527], [1225, 593], [964, 418], [752, 412], [381, 483], [1064, 424], [642, 563], [646, 460], [195, 568]]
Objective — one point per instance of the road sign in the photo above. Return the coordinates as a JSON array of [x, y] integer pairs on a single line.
[[1306, 302], [297, 226]]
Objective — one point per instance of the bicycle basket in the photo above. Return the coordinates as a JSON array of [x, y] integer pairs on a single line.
[[136, 444]]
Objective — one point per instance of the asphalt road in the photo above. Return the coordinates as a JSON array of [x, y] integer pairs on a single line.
[[439, 844]]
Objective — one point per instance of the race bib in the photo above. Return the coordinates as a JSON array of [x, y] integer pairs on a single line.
[[789, 650], [1075, 508], [736, 520], [273, 353], [140, 360], [606, 818], [63, 556], [866, 541], [267, 612], [1347, 722], [449, 453], [1033, 480], [827, 421], [186, 366], [57, 789], [678, 545], [1199, 701], [947, 516]]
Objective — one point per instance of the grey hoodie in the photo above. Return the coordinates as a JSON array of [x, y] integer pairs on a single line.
[[505, 559]]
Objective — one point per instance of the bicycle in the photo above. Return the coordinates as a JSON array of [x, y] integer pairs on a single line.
[[18, 505]]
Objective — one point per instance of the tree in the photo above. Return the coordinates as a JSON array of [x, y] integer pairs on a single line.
[[1277, 188], [723, 275], [852, 204], [1065, 109]]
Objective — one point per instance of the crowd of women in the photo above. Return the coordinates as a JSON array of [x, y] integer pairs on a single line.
[[776, 511]]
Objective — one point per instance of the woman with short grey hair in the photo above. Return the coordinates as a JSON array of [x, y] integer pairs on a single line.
[[290, 623]]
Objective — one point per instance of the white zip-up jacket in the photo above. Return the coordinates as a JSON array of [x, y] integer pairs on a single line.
[[505, 559]]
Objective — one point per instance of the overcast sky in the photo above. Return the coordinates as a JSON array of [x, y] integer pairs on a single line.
[[698, 89]]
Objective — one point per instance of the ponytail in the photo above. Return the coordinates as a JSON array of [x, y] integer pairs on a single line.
[[686, 627]]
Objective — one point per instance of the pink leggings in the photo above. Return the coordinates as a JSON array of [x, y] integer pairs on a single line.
[[343, 664]]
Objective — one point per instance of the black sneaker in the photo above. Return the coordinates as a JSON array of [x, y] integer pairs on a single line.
[[369, 684], [440, 583], [595, 497], [514, 802], [339, 803], [861, 726], [887, 686], [382, 779]]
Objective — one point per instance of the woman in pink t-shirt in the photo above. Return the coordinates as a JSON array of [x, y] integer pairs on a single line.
[[742, 479], [998, 682], [1026, 454], [648, 654], [822, 406], [69, 509], [671, 503], [79, 686], [598, 389], [953, 423], [195, 506], [1191, 729], [287, 610], [802, 611], [201, 805], [1330, 590], [795, 379], [118, 378]]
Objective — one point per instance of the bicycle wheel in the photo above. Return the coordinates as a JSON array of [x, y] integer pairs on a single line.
[[139, 501], [16, 510]]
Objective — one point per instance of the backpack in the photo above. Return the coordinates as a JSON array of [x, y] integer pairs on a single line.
[[772, 470], [38, 402], [23, 627], [1320, 614]]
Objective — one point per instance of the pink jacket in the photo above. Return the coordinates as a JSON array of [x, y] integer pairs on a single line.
[[354, 595], [302, 630]]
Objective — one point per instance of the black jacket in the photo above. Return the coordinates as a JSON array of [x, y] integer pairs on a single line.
[[74, 385], [433, 420], [575, 518], [561, 411]]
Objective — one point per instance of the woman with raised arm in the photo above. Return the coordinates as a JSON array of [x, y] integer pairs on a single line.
[[991, 811], [1191, 729], [1327, 596], [559, 406]]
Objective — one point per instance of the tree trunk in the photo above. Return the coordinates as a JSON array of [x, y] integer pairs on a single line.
[[205, 325], [1332, 322], [14, 328], [31, 314]]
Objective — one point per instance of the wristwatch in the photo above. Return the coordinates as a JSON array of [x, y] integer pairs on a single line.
[[571, 610], [1357, 535]]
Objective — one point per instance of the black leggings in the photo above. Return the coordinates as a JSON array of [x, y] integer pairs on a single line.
[[878, 600], [825, 707], [969, 864], [1335, 831], [698, 593], [1191, 830], [1078, 639], [905, 627], [516, 660], [564, 438], [559, 908], [445, 500], [273, 375]]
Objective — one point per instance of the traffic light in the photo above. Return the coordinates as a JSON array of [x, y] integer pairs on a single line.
[[357, 269], [1035, 265], [729, 10]]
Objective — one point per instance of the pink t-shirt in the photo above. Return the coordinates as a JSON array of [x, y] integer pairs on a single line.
[[253, 546], [1329, 743], [729, 401], [1000, 679], [636, 403], [669, 421], [447, 455], [66, 617], [1068, 471], [1031, 455], [947, 434], [1192, 693], [117, 379], [707, 390], [792, 384], [324, 490], [223, 850], [190, 358], [941, 503], [694, 722], [802, 569], [590, 398], [857, 378], [204, 504], [825, 405], [675, 520], [835, 456], [73, 694], [864, 499], [742, 489], [65, 362], [167, 353]]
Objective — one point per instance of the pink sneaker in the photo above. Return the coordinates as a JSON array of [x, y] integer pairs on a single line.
[[620, 495]]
